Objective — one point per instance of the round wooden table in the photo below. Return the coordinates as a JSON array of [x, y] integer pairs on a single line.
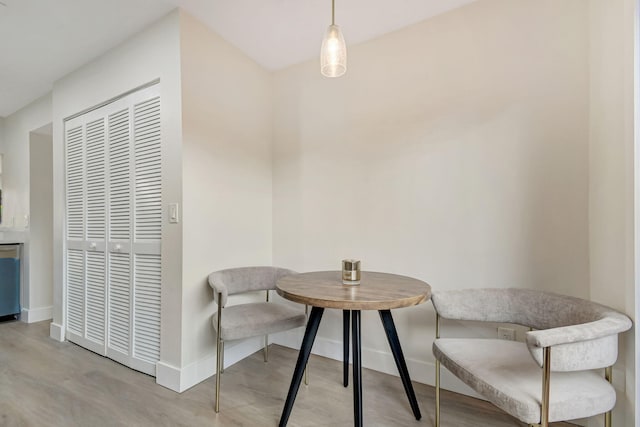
[[377, 291]]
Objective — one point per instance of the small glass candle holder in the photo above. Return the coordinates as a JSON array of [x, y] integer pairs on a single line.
[[350, 272]]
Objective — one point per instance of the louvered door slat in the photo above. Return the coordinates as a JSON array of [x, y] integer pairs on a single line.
[[120, 175], [75, 291], [95, 167], [147, 307], [120, 302], [148, 178], [95, 297], [75, 183]]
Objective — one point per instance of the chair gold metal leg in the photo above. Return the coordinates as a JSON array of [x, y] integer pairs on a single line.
[[546, 380], [608, 374], [222, 359], [219, 344], [437, 393], [437, 376], [218, 374]]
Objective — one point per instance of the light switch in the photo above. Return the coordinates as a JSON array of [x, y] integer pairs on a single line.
[[174, 214]]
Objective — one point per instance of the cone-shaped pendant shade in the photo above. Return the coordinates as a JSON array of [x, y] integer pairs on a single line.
[[333, 54]]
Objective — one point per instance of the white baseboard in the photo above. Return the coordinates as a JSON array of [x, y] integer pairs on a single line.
[[32, 315], [56, 332], [168, 376], [420, 371], [181, 379]]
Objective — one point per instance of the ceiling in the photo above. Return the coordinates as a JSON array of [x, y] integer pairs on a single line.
[[43, 40]]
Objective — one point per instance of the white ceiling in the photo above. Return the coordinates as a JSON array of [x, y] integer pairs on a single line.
[[43, 40]]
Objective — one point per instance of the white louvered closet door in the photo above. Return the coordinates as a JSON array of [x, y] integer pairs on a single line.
[[95, 215], [86, 224], [120, 219], [114, 209], [75, 215]]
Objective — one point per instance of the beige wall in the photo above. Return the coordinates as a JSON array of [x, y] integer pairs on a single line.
[[41, 223], [611, 177], [610, 152], [227, 132], [455, 151], [1, 134]]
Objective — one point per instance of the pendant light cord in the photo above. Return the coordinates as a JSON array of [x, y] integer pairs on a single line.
[[333, 12]]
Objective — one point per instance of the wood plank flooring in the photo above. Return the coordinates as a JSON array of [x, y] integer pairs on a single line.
[[47, 383]]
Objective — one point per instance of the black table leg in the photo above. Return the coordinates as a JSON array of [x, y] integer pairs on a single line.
[[394, 343], [301, 364], [357, 369], [345, 346]]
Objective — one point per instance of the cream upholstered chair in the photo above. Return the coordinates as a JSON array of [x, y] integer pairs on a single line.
[[251, 319], [550, 377]]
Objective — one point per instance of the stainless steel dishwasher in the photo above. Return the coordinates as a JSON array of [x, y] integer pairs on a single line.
[[10, 279]]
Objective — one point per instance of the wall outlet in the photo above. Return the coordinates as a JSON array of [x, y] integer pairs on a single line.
[[507, 334]]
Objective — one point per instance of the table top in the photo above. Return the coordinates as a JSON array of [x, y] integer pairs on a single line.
[[376, 291]]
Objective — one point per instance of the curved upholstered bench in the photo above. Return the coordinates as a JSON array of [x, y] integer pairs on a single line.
[[550, 377]]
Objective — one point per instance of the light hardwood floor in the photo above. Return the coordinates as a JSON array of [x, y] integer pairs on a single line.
[[47, 383]]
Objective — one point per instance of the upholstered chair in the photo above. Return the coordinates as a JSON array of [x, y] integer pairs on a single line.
[[253, 319], [553, 375]]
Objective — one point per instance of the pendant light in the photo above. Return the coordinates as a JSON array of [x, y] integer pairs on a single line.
[[333, 54]]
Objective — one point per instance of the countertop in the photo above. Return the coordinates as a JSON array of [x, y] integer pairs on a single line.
[[12, 237]]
